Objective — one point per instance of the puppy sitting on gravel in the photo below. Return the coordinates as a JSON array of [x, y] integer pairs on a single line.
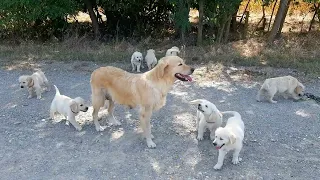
[[136, 61], [174, 51], [67, 107], [229, 138], [208, 117], [286, 85], [34, 83], [151, 59]]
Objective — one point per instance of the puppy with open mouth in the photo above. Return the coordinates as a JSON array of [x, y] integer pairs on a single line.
[[208, 117], [229, 138]]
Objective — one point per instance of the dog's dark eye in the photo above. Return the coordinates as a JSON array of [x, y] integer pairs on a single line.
[[221, 139], [180, 64], [206, 105], [81, 104]]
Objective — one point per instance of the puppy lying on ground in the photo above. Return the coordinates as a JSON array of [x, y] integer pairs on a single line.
[[151, 59], [147, 90], [34, 83], [136, 61], [286, 85], [67, 107], [208, 116], [229, 138], [174, 51]]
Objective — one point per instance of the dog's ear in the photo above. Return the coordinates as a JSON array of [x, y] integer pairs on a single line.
[[161, 66], [232, 138], [197, 101], [74, 107], [30, 81], [215, 116], [299, 89]]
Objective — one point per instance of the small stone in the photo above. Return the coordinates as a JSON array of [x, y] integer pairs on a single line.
[[273, 140], [17, 123], [297, 150]]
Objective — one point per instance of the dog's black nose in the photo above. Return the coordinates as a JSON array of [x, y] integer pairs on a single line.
[[21, 86], [199, 105], [215, 144], [87, 108], [192, 69]]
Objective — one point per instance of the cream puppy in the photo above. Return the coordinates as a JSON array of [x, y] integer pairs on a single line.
[[136, 61], [174, 51], [34, 83], [151, 59], [229, 138], [286, 85], [67, 107], [208, 117]]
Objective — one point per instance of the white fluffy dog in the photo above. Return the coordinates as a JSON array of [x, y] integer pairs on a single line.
[[137, 61], [34, 83], [67, 107], [151, 59], [208, 117], [174, 51], [229, 138], [286, 85]]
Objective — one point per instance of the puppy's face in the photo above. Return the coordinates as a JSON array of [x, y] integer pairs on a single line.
[[299, 90], [223, 137], [151, 51], [138, 56], [174, 67], [204, 106], [25, 81], [81, 104]]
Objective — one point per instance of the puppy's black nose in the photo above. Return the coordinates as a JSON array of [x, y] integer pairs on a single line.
[[21, 86], [199, 105], [192, 69], [87, 108], [215, 144]]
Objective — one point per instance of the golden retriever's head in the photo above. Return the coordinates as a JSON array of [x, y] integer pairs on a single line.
[[223, 137], [77, 105], [205, 106], [173, 67], [299, 90], [25, 81]]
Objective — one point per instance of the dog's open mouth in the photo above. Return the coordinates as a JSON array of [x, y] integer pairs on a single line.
[[183, 77], [219, 147]]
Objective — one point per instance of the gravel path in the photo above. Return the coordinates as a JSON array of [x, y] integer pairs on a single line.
[[282, 141]]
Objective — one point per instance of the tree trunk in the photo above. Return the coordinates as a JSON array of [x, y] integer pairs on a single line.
[[281, 15], [283, 19], [93, 17], [272, 14], [314, 15], [200, 23], [227, 27]]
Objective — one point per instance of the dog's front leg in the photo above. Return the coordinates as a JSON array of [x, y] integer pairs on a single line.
[[38, 92], [133, 66], [145, 115], [201, 129], [221, 156], [72, 120], [235, 158], [138, 67], [30, 90]]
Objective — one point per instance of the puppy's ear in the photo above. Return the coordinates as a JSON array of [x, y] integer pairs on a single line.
[[161, 66], [74, 107], [197, 101], [215, 116], [30, 81], [299, 89], [232, 138]]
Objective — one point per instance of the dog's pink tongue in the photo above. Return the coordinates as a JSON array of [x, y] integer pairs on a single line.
[[217, 147], [188, 78]]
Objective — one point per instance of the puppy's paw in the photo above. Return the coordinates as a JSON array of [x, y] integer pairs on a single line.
[[272, 101], [200, 138], [217, 166], [67, 123], [29, 97], [151, 144], [38, 97], [79, 128], [101, 128], [236, 160]]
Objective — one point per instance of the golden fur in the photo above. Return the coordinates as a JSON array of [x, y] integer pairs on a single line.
[[147, 90]]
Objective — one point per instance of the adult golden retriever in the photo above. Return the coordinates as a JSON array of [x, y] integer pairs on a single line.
[[147, 90]]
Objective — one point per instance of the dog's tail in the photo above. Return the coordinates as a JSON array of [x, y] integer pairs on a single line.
[[57, 90], [234, 113]]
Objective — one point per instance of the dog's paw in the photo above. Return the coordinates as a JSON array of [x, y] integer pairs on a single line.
[[78, 128], [38, 97], [151, 144], [217, 166], [200, 138], [67, 123], [101, 128], [272, 101], [236, 160], [29, 97]]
